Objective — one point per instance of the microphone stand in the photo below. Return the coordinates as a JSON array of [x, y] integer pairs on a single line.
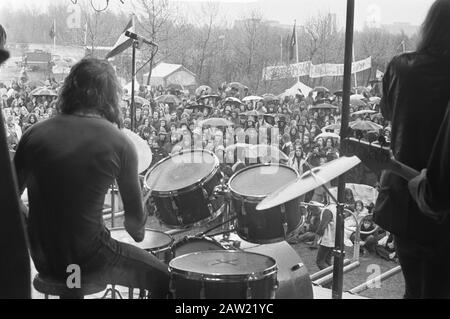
[[339, 251], [133, 80]]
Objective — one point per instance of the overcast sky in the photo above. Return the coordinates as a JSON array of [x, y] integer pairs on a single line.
[[285, 11]]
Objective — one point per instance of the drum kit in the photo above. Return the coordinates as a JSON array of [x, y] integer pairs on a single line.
[[260, 206]]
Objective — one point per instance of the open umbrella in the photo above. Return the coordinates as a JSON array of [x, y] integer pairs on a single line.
[[363, 112], [332, 127], [375, 100], [137, 99], [236, 85], [319, 89], [365, 126], [203, 90], [209, 96], [253, 113], [232, 100], [252, 98], [327, 135], [324, 106], [167, 98], [357, 103], [357, 97], [43, 91], [216, 122], [341, 93], [268, 98]]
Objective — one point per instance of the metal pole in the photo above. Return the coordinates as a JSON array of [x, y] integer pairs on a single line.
[[338, 274], [326, 279], [133, 80], [326, 271]]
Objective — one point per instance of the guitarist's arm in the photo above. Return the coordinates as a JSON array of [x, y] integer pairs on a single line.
[[431, 190]]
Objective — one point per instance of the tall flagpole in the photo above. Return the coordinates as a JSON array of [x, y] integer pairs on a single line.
[[296, 45], [356, 79], [54, 36]]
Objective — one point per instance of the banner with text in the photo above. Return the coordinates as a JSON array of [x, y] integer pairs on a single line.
[[313, 71]]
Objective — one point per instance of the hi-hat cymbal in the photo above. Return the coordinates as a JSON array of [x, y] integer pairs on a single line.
[[308, 182], [143, 150]]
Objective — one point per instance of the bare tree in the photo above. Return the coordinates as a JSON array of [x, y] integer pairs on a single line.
[[157, 16]]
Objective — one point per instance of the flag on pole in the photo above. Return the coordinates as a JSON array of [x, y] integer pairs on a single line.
[[123, 42], [293, 44]]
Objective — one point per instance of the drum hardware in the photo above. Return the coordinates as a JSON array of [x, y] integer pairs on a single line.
[[202, 234]]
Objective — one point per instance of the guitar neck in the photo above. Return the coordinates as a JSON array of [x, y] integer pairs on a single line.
[[402, 170]]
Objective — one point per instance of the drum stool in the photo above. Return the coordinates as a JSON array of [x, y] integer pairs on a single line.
[[53, 287]]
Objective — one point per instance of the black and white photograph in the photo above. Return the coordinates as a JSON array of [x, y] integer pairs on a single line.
[[224, 156]]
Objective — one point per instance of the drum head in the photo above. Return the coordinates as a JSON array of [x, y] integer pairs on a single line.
[[222, 264], [181, 171], [153, 240], [261, 180]]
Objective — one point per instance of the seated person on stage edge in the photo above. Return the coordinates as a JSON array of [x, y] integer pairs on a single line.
[[68, 163]]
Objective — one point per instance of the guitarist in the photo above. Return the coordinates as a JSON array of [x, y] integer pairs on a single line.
[[416, 89]]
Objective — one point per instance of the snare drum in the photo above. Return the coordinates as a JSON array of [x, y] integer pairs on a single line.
[[155, 242], [248, 188], [193, 244], [223, 275], [182, 188]]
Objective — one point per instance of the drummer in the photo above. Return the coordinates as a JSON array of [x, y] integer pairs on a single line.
[[68, 163]]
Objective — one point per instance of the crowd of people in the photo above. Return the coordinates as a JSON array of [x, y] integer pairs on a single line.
[[303, 127]]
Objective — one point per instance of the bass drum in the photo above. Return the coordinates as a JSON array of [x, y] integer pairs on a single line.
[[182, 188], [248, 188], [193, 244]]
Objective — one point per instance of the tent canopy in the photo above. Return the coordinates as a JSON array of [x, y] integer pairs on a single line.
[[304, 89]]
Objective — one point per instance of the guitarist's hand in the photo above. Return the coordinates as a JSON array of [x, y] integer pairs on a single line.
[[417, 190]]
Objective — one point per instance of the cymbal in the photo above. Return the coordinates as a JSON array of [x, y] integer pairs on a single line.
[[308, 182], [144, 153]]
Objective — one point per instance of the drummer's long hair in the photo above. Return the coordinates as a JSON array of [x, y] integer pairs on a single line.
[[435, 32], [92, 86]]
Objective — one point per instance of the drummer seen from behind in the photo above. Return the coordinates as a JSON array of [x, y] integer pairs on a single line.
[[68, 163]]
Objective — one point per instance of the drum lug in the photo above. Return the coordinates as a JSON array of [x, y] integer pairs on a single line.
[[203, 291], [274, 290], [243, 211], [176, 210], [172, 289], [284, 219], [249, 294]]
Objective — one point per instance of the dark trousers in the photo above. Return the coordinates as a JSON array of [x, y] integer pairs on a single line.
[[426, 269], [117, 263], [324, 256]]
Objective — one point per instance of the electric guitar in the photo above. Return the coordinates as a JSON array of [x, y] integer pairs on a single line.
[[377, 158]]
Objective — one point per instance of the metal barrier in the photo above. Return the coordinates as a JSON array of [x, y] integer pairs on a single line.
[[368, 284]]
